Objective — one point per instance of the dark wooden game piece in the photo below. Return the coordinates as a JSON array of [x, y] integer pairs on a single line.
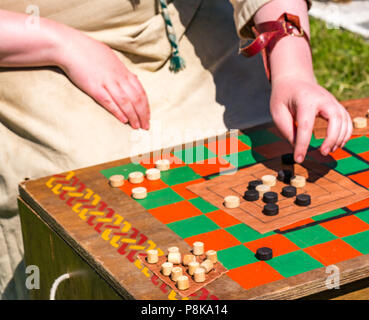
[[285, 175], [253, 184], [289, 191], [288, 159], [270, 197], [303, 200], [251, 195], [271, 209], [264, 253]]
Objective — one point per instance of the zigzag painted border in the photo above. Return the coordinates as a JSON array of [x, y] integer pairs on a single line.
[[112, 227]]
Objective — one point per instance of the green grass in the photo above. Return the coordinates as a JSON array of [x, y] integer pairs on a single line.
[[341, 61]]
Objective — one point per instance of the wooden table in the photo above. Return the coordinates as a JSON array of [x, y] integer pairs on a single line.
[[76, 223]]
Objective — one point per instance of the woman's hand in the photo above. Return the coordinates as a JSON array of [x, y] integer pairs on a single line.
[[300, 101], [95, 69]]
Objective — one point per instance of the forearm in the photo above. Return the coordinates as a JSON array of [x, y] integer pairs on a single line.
[[25, 46], [291, 55]]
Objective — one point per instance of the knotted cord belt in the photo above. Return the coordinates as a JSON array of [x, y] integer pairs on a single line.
[[269, 33]]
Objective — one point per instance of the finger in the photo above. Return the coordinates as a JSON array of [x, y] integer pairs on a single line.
[[104, 99], [284, 122], [333, 131], [121, 98], [305, 126], [342, 134], [349, 130], [139, 100], [141, 103]]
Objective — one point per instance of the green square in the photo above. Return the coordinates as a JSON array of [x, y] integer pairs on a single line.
[[294, 263], [179, 175], [359, 241], [244, 158], [195, 154], [329, 214], [235, 257], [258, 138], [244, 233], [363, 215], [310, 236], [160, 198], [124, 170], [202, 205], [315, 143], [358, 145], [348, 165], [193, 226]]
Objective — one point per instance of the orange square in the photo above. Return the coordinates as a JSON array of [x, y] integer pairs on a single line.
[[254, 275], [211, 166], [214, 240], [364, 155], [332, 252], [182, 190], [361, 178], [227, 146], [278, 243], [222, 219], [297, 224], [149, 185], [175, 212], [337, 155], [175, 162], [363, 204], [273, 150], [345, 226]]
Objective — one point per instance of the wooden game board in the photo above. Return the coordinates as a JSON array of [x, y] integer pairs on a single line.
[[356, 108], [107, 230], [329, 190]]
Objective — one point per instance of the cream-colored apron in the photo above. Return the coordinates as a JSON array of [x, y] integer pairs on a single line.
[[47, 125]]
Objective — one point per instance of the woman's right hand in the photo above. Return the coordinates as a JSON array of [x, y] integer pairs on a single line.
[[94, 68]]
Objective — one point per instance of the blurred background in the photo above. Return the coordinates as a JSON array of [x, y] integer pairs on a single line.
[[340, 45]]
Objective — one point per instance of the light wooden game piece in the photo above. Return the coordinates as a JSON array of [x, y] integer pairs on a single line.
[[207, 265], [176, 273], [183, 283], [173, 249], [174, 257], [298, 181], [136, 177], [153, 174], [192, 266], [231, 202], [198, 248], [152, 256], [116, 181], [360, 122], [187, 258], [269, 180], [212, 256], [199, 275], [166, 268], [139, 193], [262, 188], [162, 164]]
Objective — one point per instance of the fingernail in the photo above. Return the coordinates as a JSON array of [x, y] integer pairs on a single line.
[[300, 158]]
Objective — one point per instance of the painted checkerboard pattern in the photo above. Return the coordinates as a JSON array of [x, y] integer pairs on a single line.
[[323, 240]]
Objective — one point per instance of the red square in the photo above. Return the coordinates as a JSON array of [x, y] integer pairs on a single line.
[[222, 219], [364, 155], [211, 166], [175, 212], [361, 178], [297, 224], [148, 184], [273, 150], [363, 204], [337, 155], [345, 226], [149, 162], [182, 190], [214, 240], [278, 243], [254, 275], [227, 146], [332, 252]]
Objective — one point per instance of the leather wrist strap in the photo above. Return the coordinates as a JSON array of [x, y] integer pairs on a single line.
[[269, 33]]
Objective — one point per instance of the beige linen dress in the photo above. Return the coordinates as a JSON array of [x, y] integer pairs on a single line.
[[48, 125]]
